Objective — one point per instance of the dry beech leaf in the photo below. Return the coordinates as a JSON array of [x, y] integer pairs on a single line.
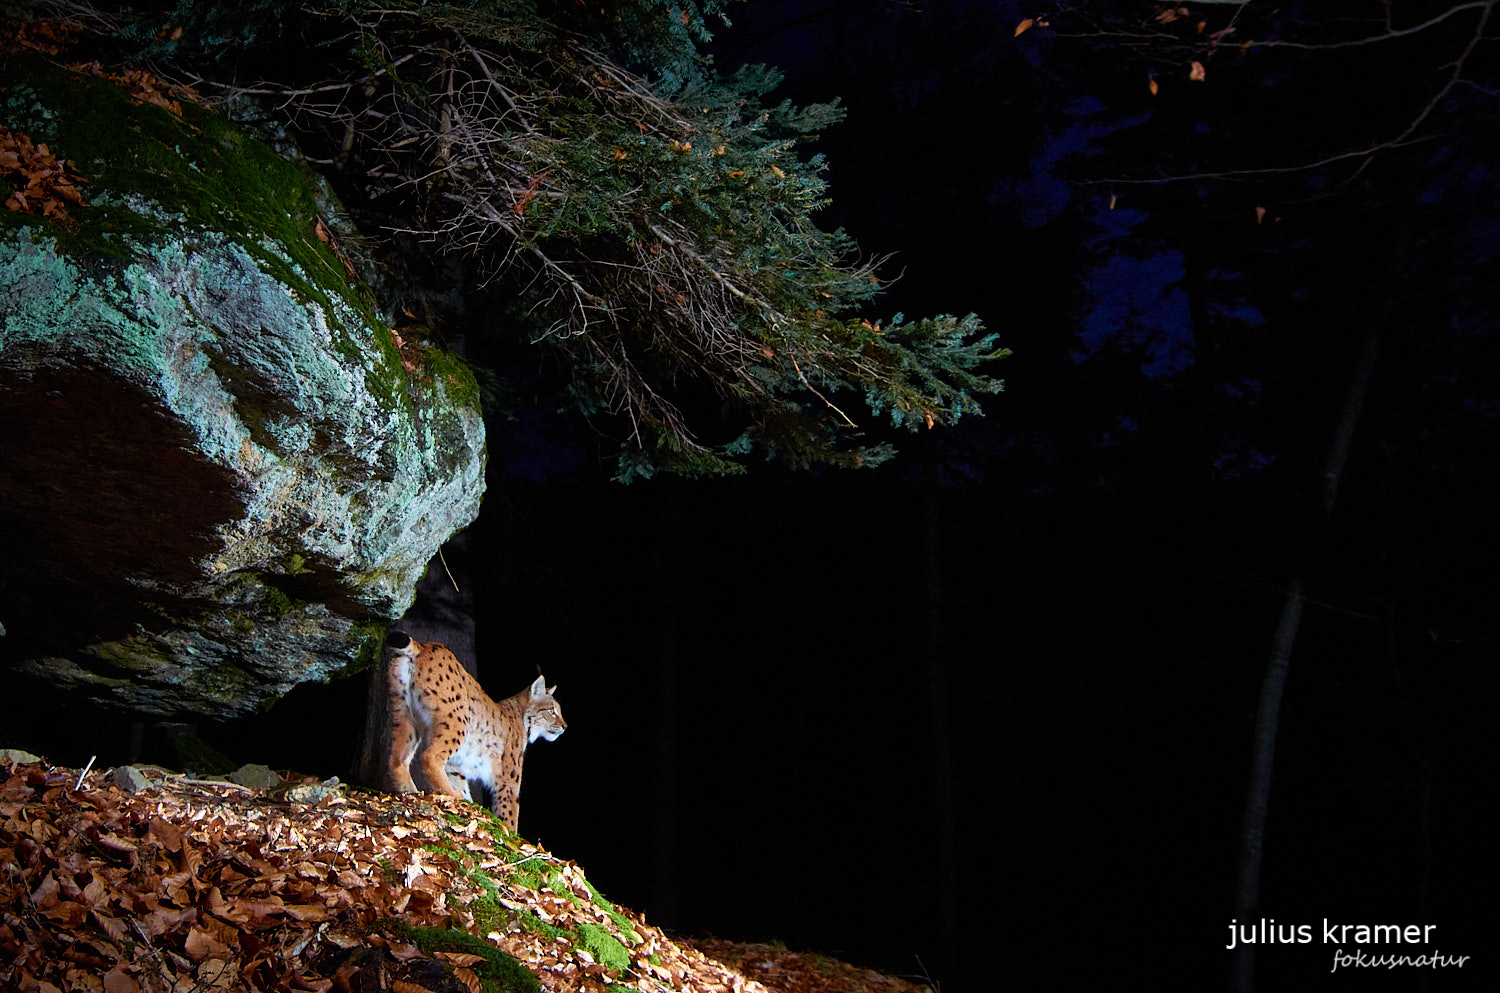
[[403, 952], [1196, 72], [117, 980], [1023, 27]]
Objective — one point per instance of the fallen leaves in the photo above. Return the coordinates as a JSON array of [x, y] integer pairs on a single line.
[[411, 352], [190, 885], [779, 968], [40, 182], [54, 38], [50, 38], [143, 86]]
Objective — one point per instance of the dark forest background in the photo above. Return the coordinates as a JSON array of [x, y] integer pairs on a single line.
[[985, 712]]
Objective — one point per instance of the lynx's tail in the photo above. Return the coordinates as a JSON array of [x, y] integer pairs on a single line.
[[400, 642]]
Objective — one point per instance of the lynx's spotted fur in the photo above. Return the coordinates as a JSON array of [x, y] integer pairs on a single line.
[[438, 707]]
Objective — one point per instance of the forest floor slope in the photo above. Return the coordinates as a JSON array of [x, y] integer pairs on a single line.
[[123, 882]]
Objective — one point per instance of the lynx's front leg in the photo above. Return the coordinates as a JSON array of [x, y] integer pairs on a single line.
[[505, 791]]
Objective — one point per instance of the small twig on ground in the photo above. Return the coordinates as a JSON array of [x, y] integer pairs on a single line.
[[85, 772], [936, 986]]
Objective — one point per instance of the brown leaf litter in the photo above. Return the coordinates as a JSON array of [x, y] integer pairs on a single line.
[[191, 885]]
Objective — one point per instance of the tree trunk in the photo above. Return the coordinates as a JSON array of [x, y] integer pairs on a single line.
[[669, 566], [1268, 711], [939, 713]]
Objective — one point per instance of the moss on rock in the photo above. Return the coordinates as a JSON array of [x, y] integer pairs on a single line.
[[226, 477]]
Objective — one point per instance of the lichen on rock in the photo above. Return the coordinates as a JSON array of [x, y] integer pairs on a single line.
[[219, 478]]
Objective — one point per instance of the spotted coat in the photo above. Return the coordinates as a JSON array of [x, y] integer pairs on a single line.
[[463, 735]]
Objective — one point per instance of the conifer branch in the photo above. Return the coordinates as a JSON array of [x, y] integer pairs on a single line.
[[658, 235]]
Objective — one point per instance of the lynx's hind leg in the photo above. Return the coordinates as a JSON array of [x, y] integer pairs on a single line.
[[445, 741], [403, 750], [404, 732]]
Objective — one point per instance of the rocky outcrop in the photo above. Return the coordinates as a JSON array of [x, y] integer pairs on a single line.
[[220, 476]]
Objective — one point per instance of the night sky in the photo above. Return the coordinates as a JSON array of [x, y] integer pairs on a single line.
[[985, 712]]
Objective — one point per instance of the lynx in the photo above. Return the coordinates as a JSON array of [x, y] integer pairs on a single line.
[[438, 707]]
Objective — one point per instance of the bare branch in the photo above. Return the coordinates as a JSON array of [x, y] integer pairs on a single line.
[[1409, 133], [1389, 34]]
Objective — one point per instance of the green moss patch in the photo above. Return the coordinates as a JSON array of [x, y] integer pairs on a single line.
[[497, 972], [148, 173], [605, 948]]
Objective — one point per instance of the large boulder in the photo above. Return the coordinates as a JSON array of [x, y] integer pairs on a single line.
[[220, 474]]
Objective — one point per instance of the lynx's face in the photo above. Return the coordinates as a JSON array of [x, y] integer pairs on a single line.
[[544, 717]]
